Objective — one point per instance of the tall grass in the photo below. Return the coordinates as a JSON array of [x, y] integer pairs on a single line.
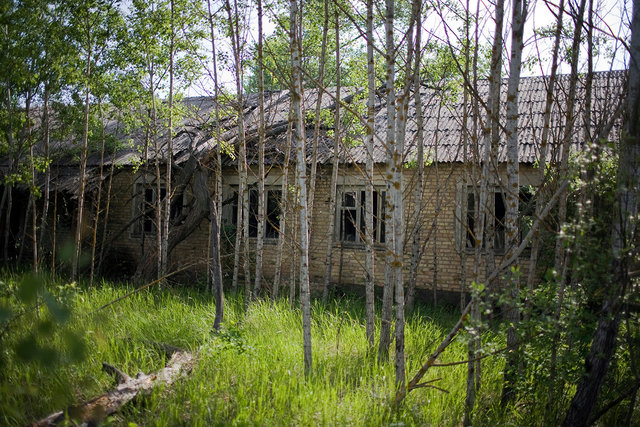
[[250, 372]]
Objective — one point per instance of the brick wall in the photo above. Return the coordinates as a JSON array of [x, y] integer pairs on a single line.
[[348, 265]]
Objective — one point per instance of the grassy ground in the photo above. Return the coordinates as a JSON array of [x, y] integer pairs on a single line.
[[251, 372]]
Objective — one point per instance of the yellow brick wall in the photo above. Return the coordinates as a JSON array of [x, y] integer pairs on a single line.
[[348, 264]]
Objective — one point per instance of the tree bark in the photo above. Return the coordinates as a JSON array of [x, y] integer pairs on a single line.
[[334, 175], [369, 248], [418, 192], [316, 133], [94, 237], [242, 230], [301, 184], [282, 224], [166, 211], [519, 14], [47, 172], [215, 266], [261, 194], [99, 408], [387, 298], [83, 157]]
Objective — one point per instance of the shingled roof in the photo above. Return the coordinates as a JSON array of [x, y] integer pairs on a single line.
[[442, 123], [443, 120], [442, 126]]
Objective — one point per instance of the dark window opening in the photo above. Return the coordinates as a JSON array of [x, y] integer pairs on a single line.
[[353, 216], [272, 213], [146, 207], [498, 214]]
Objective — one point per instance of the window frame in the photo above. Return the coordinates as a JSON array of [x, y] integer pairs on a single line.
[[271, 232], [464, 191], [139, 200], [358, 215]]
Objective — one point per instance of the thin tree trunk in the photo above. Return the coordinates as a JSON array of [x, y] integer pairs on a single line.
[[334, 174], [8, 189], [559, 257], [215, 267], [301, 184], [24, 224], [283, 213], [294, 255], [242, 228], [396, 187], [316, 133], [94, 237], [544, 143], [418, 193], [158, 176], [34, 205], [519, 14], [53, 238], [47, 171], [167, 198], [216, 95], [261, 194], [389, 276], [83, 162], [535, 245], [482, 207], [370, 254], [437, 211], [106, 211], [470, 397]]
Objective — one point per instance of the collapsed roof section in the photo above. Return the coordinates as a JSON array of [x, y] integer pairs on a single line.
[[199, 134]]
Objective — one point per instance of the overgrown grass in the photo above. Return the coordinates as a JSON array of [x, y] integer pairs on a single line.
[[250, 372]]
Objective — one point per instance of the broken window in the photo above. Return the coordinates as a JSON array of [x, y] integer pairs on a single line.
[[497, 215], [352, 218], [145, 200], [272, 212]]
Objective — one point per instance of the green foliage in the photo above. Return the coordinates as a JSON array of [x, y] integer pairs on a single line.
[[37, 337], [252, 371]]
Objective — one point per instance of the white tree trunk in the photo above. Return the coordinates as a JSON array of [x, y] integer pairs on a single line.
[[387, 298], [316, 133], [370, 254], [282, 225], [261, 194], [334, 176], [519, 14], [301, 184]]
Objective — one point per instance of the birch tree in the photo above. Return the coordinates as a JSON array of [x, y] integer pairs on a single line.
[[369, 249], [518, 18], [301, 184], [333, 186], [242, 220], [261, 193], [387, 297]]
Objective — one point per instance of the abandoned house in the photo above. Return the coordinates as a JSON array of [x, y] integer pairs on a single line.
[[442, 223]]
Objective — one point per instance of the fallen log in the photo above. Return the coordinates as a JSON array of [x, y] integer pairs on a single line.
[[96, 410]]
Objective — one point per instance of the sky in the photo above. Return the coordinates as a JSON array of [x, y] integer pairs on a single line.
[[611, 20]]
